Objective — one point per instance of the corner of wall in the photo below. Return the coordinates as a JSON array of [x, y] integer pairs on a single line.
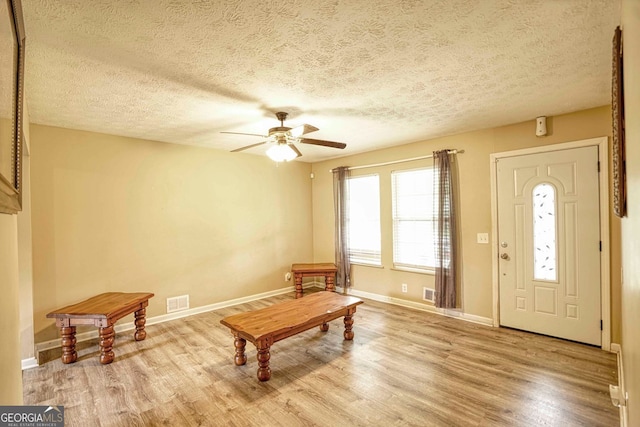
[[621, 390]]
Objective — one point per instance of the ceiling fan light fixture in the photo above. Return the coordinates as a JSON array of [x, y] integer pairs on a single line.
[[281, 153], [285, 139]]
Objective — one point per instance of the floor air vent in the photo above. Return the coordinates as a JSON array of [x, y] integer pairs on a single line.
[[428, 294], [177, 303]]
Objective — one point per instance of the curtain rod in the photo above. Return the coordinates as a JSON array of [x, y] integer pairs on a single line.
[[393, 162]]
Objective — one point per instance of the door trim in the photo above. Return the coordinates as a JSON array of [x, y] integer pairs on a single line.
[[603, 180]]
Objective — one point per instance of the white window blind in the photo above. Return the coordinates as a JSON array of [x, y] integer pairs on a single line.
[[413, 220], [364, 219]]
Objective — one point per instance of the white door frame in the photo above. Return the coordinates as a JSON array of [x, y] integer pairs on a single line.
[[605, 281]]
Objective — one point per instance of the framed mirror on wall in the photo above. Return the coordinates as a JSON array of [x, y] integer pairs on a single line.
[[12, 53]]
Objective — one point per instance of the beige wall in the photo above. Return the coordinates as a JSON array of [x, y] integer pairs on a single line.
[[631, 224], [120, 214], [10, 370], [475, 205], [25, 266]]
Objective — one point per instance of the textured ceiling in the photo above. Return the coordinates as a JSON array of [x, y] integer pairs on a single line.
[[370, 73]]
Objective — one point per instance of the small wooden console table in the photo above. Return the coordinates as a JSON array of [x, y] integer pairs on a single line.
[[328, 270], [271, 324], [103, 311]]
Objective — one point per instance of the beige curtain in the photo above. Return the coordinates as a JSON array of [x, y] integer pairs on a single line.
[[341, 210], [445, 230]]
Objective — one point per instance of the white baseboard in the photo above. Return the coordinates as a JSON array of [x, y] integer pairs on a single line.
[[616, 348], [29, 363], [85, 336], [418, 306]]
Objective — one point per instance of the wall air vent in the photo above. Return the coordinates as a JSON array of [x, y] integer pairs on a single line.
[[428, 294], [177, 303]]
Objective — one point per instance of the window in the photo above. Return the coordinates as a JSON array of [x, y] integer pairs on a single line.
[[413, 220], [364, 219], [544, 232]]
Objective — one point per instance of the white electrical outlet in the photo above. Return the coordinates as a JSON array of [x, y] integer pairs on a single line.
[[404, 287], [287, 276], [483, 238]]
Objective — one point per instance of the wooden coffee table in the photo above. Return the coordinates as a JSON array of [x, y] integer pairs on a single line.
[[326, 269], [271, 324], [103, 311]]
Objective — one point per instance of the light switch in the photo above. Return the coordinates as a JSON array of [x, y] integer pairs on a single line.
[[483, 238]]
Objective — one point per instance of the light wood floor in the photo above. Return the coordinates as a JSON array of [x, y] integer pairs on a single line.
[[404, 367]]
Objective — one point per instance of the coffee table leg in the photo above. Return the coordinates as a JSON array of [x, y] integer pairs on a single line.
[[329, 283], [298, 278], [324, 327], [69, 354], [107, 336], [240, 358], [140, 322], [348, 325], [264, 372]]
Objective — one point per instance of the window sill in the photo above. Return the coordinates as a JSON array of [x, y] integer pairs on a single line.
[[367, 265], [415, 270]]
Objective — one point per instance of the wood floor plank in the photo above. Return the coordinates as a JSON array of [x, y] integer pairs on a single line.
[[404, 367]]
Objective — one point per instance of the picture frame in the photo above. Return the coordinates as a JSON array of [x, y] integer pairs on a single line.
[[12, 56], [618, 136]]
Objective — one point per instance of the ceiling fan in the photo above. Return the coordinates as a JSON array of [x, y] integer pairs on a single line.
[[284, 137]]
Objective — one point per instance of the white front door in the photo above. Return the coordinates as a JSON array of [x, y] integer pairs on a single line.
[[549, 243]]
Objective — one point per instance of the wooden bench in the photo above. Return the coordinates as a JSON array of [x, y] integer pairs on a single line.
[[271, 324], [328, 270], [103, 311]]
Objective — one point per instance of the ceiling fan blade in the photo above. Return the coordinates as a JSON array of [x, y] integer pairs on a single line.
[[294, 148], [248, 146], [323, 143], [302, 130], [250, 134]]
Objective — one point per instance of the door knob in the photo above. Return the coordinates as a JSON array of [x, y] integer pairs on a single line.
[[504, 256]]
